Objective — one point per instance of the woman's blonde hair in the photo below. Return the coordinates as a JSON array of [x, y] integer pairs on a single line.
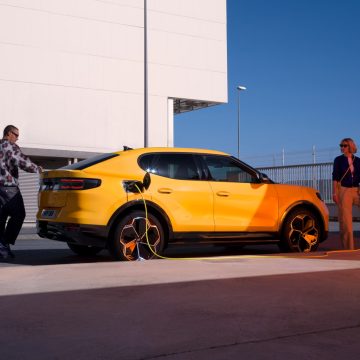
[[351, 143]]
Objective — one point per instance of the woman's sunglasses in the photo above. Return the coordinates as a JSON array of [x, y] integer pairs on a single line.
[[343, 145]]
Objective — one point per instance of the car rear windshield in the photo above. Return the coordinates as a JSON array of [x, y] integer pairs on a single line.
[[83, 164]]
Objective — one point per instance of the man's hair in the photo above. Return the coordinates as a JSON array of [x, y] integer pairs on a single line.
[[8, 129], [351, 143]]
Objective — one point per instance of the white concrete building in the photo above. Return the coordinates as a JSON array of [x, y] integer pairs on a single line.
[[72, 71]]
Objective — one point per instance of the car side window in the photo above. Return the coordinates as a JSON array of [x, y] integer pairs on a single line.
[[146, 162], [226, 169], [171, 165]]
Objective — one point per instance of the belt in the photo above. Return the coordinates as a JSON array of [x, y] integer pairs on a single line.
[[350, 186]]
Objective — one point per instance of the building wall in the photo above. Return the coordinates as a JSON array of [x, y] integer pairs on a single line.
[[72, 71]]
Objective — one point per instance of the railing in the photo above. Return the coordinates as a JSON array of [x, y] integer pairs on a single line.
[[285, 158], [318, 176]]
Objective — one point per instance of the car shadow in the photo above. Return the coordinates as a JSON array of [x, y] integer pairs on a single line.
[[61, 256], [40, 257]]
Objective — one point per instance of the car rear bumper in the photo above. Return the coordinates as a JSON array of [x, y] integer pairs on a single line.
[[93, 235]]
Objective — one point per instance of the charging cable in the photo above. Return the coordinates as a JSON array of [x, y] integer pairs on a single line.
[[146, 231], [183, 258], [202, 258]]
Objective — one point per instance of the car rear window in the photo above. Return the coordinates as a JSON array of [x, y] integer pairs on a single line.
[[83, 164]]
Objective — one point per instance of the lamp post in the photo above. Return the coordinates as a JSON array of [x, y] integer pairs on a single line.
[[145, 77], [239, 88]]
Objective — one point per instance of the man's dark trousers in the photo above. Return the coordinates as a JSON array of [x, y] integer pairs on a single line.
[[14, 209]]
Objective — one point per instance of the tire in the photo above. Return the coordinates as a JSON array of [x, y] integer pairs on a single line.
[[301, 231], [130, 243], [84, 250]]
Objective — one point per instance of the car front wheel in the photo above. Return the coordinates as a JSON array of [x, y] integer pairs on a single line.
[[301, 231], [137, 237]]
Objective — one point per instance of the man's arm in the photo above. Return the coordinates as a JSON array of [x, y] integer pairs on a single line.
[[24, 162]]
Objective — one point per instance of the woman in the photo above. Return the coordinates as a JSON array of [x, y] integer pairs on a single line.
[[346, 178]]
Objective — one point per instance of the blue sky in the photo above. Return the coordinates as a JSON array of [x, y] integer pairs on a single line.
[[300, 62]]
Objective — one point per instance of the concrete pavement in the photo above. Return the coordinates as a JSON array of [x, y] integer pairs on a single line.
[[245, 307]]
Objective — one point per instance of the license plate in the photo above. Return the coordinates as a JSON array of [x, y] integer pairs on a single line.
[[48, 214]]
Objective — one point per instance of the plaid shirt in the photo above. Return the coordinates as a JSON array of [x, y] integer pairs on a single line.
[[11, 159]]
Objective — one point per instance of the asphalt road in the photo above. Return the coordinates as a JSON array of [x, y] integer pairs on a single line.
[[251, 303]]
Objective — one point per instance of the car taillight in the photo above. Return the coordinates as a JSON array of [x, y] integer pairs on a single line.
[[69, 184]]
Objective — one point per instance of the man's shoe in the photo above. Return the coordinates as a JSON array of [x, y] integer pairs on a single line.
[[10, 253], [4, 252]]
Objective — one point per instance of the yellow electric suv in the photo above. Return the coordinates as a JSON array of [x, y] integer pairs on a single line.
[[136, 202]]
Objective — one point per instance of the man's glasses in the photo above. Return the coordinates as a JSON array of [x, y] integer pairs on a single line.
[[14, 133], [343, 145]]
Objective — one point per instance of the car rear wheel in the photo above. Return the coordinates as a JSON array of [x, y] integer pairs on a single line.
[[84, 250], [301, 231], [137, 237]]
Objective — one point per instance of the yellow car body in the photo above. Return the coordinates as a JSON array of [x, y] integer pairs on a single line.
[[191, 194]]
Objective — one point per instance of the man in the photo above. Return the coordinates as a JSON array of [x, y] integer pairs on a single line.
[[11, 201]]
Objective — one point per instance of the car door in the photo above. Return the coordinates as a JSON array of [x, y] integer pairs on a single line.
[[177, 187], [242, 203]]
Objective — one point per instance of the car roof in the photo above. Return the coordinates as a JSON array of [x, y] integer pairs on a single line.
[[140, 151]]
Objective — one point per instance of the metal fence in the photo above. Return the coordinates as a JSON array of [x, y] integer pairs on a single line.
[[318, 176], [286, 158]]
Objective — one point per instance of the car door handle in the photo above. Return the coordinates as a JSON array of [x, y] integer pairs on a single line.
[[223, 193], [165, 191]]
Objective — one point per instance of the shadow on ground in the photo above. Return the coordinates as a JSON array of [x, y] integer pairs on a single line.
[[48, 252]]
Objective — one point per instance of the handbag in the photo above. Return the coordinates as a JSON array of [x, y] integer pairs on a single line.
[[7, 193]]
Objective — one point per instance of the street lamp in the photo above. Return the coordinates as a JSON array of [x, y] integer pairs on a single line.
[[146, 139], [239, 88]]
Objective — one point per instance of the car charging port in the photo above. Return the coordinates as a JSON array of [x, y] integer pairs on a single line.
[[137, 186], [133, 186]]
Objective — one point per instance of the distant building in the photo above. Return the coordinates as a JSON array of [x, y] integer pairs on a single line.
[[72, 72]]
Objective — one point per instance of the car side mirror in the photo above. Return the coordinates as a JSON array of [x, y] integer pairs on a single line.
[[265, 179]]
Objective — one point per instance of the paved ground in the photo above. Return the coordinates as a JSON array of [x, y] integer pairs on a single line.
[[251, 303]]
